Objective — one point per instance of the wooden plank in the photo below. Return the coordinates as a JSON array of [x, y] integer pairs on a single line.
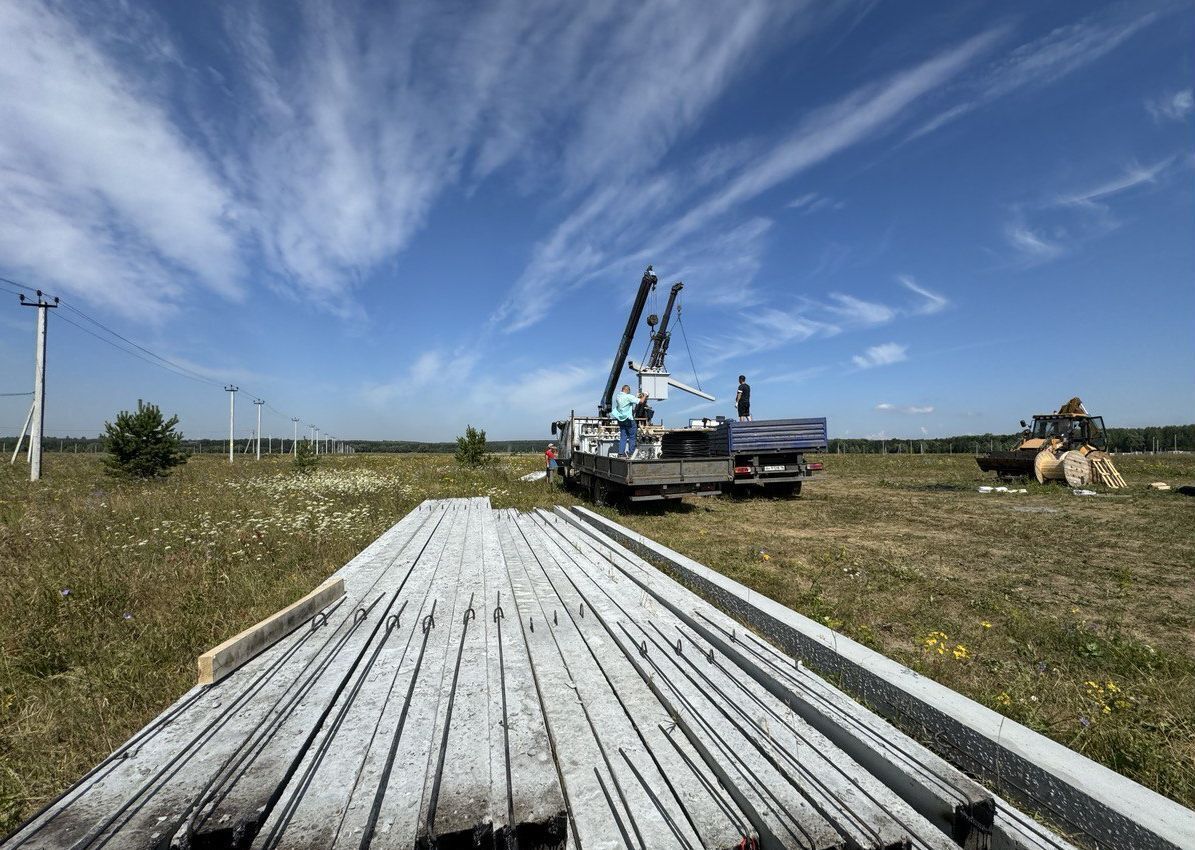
[[217, 663]]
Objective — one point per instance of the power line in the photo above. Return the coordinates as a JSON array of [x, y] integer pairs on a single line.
[[190, 372], [11, 282], [133, 349], [131, 353]]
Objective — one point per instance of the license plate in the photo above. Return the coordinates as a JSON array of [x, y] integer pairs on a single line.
[[774, 468]]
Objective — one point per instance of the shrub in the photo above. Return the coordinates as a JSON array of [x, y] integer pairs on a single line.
[[143, 444], [306, 460], [470, 449]]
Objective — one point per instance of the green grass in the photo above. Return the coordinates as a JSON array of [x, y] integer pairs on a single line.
[[888, 549]]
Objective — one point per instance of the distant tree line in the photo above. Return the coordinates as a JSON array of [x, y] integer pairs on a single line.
[[1159, 438], [1154, 438], [216, 446]]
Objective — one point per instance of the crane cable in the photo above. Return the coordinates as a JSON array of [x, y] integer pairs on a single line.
[[685, 337]]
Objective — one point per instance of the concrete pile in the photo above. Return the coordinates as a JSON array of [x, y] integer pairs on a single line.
[[496, 679]]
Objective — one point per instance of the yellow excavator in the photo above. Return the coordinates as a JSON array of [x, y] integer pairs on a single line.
[[1065, 446]]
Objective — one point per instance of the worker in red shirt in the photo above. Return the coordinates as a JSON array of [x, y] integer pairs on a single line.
[[550, 461]]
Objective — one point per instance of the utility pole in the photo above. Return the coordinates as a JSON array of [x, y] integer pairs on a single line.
[[38, 411], [257, 402], [315, 438], [232, 405], [294, 446]]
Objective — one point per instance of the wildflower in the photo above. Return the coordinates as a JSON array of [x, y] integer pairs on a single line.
[[985, 624], [127, 615], [1003, 698], [960, 652], [1083, 721], [66, 591]]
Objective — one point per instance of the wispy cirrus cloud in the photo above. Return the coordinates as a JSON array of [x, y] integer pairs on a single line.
[[1133, 175], [339, 131], [595, 238], [908, 409], [859, 312], [1048, 229], [1032, 245], [1044, 61], [881, 355], [931, 302], [812, 202], [101, 194], [1173, 106]]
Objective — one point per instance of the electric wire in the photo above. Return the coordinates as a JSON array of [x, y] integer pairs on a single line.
[[129, 347]]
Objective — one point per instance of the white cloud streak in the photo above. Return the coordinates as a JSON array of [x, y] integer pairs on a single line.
[[1175, 106], [907, 409], [860, 313], [1046, 60], [597, 236], [931, 302], [100, 194], [1133, 176], [1030, 244], [881, 355]]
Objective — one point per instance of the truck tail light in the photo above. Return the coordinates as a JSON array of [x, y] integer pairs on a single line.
[[742, 470], [815, 466]]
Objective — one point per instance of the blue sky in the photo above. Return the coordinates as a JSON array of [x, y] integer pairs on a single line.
[[393, 220]]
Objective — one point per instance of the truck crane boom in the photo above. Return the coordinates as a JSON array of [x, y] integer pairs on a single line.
[[646, 284], [660, 338]]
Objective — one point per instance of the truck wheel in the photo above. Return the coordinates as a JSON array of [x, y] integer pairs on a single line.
[[787, 490], [601, 491]]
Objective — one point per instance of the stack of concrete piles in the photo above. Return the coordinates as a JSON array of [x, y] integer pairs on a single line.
[[496, 679]]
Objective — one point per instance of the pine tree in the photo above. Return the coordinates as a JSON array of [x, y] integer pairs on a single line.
[[470, 449], [306, 460], [143, 444]]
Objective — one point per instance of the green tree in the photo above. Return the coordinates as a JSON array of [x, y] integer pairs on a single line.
[[143, 444], [470, 449], [306, 460]]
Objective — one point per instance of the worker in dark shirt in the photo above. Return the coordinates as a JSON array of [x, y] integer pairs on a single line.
[[742, 399], [642, 411]]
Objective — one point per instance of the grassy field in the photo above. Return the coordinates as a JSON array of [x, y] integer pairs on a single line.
[[1072, 615]]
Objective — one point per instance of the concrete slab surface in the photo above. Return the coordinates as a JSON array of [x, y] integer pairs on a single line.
[[497, 679]]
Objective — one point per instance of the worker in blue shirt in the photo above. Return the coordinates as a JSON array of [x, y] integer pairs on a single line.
[[624, 414]]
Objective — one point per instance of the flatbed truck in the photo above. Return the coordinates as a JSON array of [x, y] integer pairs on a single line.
[[704, 459]]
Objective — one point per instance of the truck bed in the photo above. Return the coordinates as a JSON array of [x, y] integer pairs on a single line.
[[649, 473]]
